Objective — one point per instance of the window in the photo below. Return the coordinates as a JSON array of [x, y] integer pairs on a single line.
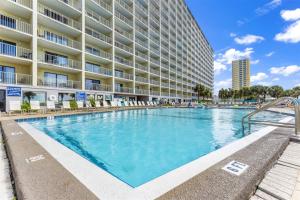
[[7, 48], [35, 96], [56, 59], [7, 21], [92, 50], [55, 16], [66, 97], [7, 74], [91, 84], [55, 80], [55, 38]]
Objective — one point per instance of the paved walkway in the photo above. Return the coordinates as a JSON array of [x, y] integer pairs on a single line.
[[6, 190], [282, 182]]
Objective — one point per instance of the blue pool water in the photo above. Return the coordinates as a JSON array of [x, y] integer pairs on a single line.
[[139, 145]]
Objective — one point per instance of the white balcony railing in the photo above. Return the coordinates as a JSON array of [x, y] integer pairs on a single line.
[[103, 4], [15, 78], [57, 83], [98, 87], [97, 69], [15, 51], [27, 3], [98, 35], [98, 18], [123, 89], [59, 61], [123, 75], [16, 24]]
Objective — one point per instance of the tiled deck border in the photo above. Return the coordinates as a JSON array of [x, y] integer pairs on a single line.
[[276, 143]]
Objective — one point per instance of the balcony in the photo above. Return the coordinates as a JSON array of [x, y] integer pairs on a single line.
[[15, 24], [99, 53], [141, 91], [123, 19], [143, 10], [154, 82], [155, 93], [123, 75], [60, 40], [58, 17], [142, 55], [123, 89], [57, 83], [141, 67], [163, 84], [103, 4], [165, 94], [98, 70], [123, 33], [141, 79], [123, 61], [26, 3], [15, 79], [99, 36], [98, 87], [59, 61], [98, 18], [154, 61], [15, 51], [124, 47], [125, 6], [156, 72]]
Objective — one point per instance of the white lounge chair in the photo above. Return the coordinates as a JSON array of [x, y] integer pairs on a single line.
[[148, 103], [151, 103], [14, 106], [135, 103], [131, 103], [119, 103], [35, 106], [51, 106], [66, 105], [89, 105], [105, 104], [80, 104], [143, 103], [126, 104], [113, 104]]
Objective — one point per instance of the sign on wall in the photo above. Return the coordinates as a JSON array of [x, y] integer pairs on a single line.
[[80, 96], [13, 91]]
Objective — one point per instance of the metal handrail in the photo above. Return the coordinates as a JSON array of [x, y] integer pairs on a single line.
[[278, 124]]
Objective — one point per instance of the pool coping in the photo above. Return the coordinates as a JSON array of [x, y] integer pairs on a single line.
[[105, 186]]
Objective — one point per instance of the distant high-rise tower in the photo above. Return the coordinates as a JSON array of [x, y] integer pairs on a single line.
[[240, 74]]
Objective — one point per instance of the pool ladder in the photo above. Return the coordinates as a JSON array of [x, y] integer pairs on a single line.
[[247, 118]]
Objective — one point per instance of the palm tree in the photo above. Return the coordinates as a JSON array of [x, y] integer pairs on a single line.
[[29, 95], [199, 89], [276, 91]]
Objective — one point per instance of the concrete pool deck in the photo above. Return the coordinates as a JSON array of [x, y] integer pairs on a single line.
[[216, 184]]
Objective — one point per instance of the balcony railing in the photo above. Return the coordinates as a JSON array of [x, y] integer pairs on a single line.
[[98, 87], [57, 83], [98, 35], [15, 51], [98, 18], [15, 78], [15, 24], [124, 33], [27, 3], [99, 53], [155, 93], [142, 43], [164, 84], [123, 89], [97, 69], [166, 94], [154, 82], [59, 39], [141, 91], [155, 61], [141, 7], [72, 3], [142, 55], [103, 4], [124, 5], [141, 67], [141, 79], [124, 47], [123, 75], [153, 71], [123, 61], [123, 18], [59, 61], [48, 12]]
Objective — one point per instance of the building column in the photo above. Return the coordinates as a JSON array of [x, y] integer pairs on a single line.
[[34, 42], [83, 44]]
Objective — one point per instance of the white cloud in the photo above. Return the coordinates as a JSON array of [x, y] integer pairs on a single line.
[[270, 54], [275, 79], [258, 77], [285, 71], [290, 15], [291, 34], [248, 39], [219, 67], [222, 84], [266, 8], [254, 62], [232, 34], [226, 58]]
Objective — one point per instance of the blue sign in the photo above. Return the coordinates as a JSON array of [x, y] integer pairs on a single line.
[[80, 96], [13, 91]]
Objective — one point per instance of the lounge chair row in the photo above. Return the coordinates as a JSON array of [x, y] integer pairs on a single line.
[[15, 106]]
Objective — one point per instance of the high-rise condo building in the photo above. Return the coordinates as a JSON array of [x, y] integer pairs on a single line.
[[240, 74], [108, 49]]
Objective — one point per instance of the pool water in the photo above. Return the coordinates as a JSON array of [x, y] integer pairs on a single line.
[[137, 146]]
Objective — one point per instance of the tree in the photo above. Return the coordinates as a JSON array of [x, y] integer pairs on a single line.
[[199, 89], [276, 91], [29, 95]]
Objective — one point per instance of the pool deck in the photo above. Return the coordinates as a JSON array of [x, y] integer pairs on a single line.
[[38, 175]]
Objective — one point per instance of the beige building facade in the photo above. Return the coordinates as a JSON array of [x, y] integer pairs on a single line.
[[240, 74]]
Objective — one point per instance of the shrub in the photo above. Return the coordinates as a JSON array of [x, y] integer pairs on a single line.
[[25, 106], [73, 104], [92, 101]]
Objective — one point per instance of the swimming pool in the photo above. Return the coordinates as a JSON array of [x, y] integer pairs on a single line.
[[137, 146]]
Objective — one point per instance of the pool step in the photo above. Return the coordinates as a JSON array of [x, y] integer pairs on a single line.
[[282, 182]]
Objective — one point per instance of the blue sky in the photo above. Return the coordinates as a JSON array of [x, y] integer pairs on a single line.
[[268, 31]]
